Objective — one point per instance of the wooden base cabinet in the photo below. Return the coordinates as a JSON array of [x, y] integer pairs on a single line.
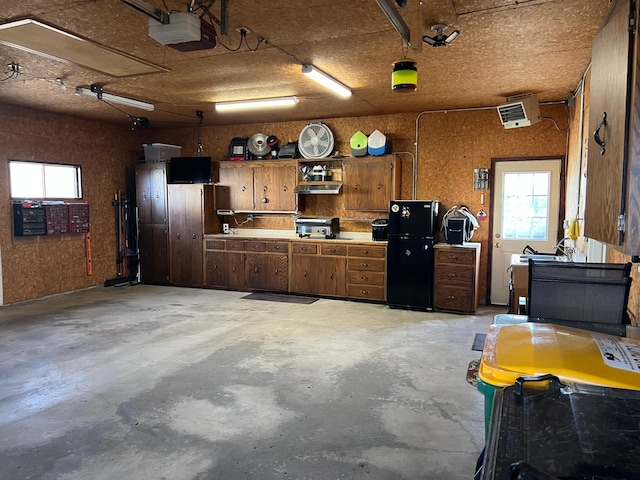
[[247, 264], [456, 277], [318, 268], [366, 266]]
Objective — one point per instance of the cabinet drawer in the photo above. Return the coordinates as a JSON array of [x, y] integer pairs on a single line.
[[366, 278], [255, 246], [367, 251], [235, 245], [371, 292], [214, 244], [450, 298], [278, 247], [462, 256], [340, 250], [365, 264], [455, 275], [305, 248]]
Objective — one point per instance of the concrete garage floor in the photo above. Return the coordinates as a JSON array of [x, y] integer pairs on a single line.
[[149, 382]]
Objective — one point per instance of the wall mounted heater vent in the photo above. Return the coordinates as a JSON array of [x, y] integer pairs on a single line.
[[520, 111], [185, 32]]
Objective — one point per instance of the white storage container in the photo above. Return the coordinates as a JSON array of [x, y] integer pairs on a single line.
[[160, 152]]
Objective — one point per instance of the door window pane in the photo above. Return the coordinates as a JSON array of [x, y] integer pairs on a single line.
[[525, 203]]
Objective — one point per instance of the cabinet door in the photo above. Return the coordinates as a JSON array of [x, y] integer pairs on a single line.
[[154, 254], [318, 275], [151, 193], [234, 270], [239, 179], [368, 184], [215, 269], [266, 272], [185, 235], [609, 75], [273, 186]]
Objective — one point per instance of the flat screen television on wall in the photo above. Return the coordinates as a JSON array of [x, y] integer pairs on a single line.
[[189, 170]]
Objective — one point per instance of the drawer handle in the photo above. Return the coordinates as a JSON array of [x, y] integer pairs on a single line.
[[454, 257], [215, 268], [454, 275], [193, 236], [331, 276], [305, 248], [276, 271], [365, 264], [305, 274], [364, 278], [451, 297], [255, 270], [276, 247], [365, 292], [256, 247], [178, 235], [332, 250], [365, 252], [233, 269]]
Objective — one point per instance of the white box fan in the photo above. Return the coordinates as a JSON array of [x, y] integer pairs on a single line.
[[315, 141], [520, 111]]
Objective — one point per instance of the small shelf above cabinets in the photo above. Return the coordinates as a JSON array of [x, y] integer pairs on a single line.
[[319, 176]]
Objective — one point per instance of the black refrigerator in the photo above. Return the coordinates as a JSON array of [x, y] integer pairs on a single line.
[[412, 228]]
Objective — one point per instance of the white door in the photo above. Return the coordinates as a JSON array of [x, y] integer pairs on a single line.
[[525, 212]]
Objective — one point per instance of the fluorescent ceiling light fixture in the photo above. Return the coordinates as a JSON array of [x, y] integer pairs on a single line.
[[96, 92], [258, 103], [325, 80], [396, 20], [51, 42]]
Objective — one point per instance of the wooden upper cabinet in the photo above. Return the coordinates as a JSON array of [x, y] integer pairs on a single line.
[[370, 183], [151, 193], [273, 187], [613, 180], [261, 185], [239, 179]]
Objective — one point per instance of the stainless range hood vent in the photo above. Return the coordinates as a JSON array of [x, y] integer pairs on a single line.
[[318, 189]]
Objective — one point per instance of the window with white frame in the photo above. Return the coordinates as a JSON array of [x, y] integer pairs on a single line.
[[41, 181]]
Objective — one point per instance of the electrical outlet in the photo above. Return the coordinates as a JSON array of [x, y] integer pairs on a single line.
[[225, 228], [250, 217]]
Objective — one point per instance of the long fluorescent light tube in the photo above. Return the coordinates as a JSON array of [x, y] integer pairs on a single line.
[[325, 80], [259, 103], [110, 98], [396, 20]]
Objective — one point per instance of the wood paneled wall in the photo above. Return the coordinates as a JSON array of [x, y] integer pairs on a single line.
[[450, 146], [40, 266]]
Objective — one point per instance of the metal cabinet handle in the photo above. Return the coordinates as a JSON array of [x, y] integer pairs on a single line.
[[194, 236], [454, 257], [331, 276], [332, 250], [276, 271], [364, 278], [305, 274], [256, 246], [365, 292], [379, 186], [276, 247], [454, 275], [215, 268], [243, 188], [178, 235], [284, 188], [233, 269], [304, 248], [596, 134], [452, 297], [364, 252], [365, 264], [355, 187]]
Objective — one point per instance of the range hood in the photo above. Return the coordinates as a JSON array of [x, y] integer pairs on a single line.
[[318, 188]]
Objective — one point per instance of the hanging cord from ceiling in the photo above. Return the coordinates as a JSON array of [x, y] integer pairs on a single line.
[[14, 70]]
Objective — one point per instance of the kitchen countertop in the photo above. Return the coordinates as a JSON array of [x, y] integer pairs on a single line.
[[260, 233]]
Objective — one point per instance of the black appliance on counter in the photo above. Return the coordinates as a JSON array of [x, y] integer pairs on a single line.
[[410, 257], [380, 230]]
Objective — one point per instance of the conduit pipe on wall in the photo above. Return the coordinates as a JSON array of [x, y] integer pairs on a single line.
[[467, 109]]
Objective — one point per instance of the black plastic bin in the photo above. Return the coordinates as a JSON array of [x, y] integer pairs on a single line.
[[569, 432]]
